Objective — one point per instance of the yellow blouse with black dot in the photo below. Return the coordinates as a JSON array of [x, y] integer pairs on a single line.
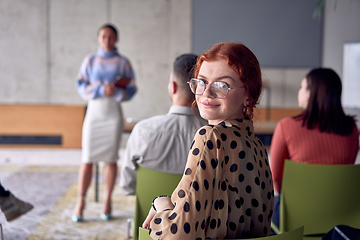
[[226, 190]]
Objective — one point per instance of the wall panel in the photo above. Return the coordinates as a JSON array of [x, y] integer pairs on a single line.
[[23, 62]]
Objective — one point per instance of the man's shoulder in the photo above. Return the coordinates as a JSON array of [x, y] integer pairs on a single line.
[[154, 122], [165, 122]]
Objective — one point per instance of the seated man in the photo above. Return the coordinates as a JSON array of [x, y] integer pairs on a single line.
[[162, 142]]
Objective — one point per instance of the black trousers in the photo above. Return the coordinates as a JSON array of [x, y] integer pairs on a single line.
[[276, 212], [3, 192]]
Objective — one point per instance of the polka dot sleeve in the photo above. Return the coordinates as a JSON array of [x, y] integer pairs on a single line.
[[193, 196]]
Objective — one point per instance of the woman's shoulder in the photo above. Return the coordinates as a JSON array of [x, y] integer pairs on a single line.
[[209, 131], [287, 124], [88, 57], [211, 128], [205, 130], [220, 130], [290, 121], [122, 58]]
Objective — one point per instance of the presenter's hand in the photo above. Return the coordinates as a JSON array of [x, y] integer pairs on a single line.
[[109, 90]]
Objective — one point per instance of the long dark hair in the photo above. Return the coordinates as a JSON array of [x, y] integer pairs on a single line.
[[324, 110]]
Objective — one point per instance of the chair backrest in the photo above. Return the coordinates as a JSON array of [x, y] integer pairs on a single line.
[[296, 234], [144, 234], [319, 197], [149, 184]]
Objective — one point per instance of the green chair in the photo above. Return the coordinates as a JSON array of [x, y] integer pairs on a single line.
[[296, 234], [149, 184], [319, 197]]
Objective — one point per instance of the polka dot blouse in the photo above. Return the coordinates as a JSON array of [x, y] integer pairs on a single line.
[[226, 190]]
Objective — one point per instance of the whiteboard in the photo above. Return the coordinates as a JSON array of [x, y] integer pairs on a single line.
[[351, 75], [281, 33]]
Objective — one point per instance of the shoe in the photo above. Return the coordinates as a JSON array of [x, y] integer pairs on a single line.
[[13, 207], [80, 218], [75, 218], [105, 216]]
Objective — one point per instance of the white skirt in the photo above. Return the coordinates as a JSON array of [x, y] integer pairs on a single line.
[[102, 130]]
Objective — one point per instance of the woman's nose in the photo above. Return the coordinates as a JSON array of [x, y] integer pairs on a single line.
[[207, 92]]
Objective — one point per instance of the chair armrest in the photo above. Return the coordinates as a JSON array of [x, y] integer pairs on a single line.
[[144, 234], [275, 228]]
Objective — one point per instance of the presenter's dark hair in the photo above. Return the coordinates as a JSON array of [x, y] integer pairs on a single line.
[[108, 25], [324, 110]]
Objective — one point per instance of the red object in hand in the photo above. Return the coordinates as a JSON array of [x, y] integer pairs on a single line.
[[122, 82]]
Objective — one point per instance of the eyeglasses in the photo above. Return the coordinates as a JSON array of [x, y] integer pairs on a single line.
[[217, 89]]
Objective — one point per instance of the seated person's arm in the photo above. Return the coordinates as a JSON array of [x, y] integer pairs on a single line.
[[278, 155]]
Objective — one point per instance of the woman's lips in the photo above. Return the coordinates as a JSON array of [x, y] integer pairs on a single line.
[[208, 104]]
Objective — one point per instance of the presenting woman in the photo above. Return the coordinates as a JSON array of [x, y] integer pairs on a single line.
[[226, 190], [105, 80], [321, 134]]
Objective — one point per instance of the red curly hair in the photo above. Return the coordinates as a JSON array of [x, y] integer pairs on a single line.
[[243, 61]]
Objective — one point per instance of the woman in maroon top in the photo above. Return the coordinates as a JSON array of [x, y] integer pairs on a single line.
[[321, 134]]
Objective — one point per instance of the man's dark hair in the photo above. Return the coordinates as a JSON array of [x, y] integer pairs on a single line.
[[183, 67], [183, 70]]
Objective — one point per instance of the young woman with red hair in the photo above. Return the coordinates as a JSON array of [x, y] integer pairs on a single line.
[[226, 190]]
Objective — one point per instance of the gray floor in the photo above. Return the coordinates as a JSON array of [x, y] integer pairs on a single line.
[[43, 177]]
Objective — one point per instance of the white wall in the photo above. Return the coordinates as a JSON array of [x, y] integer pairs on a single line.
[[23, 66], [153, 33], [341, 25], [284, 86], [43, 43], [72, 33]]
